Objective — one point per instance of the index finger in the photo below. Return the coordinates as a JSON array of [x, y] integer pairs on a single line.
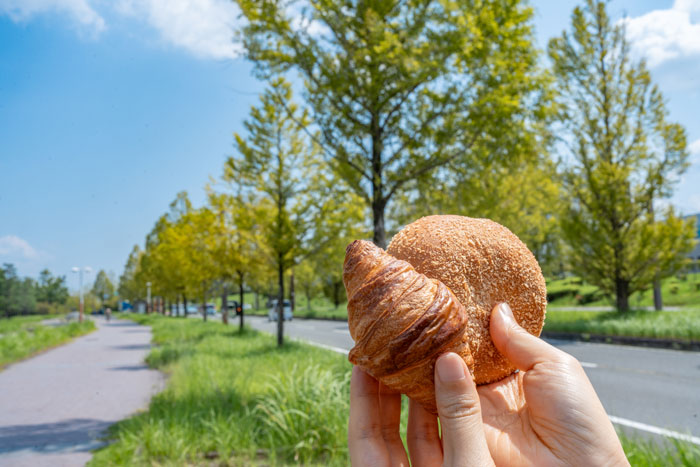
[[365, 441]]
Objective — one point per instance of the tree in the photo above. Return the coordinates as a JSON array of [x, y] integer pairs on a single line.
[[274, 161], [51, 289], [399, 88], [103, 288], [624, 154], [17, 295], [129, 288]]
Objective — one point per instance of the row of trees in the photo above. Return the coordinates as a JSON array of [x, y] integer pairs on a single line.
[[20, 296], [417, 107]]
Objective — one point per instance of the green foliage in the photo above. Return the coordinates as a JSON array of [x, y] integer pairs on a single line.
[[51, 290], [683, 325], [400, 88], [103, 288], [23, 336], [128, 288], [17, 295], [236, 399], [624, 155], [652, 453]]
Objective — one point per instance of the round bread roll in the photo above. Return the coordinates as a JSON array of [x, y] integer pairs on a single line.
[[483, 263]]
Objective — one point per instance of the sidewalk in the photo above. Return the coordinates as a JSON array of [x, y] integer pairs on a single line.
[[55, 407]]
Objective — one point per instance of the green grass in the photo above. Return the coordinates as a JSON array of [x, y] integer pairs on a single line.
[[23, 336], [236, 399], [670, 452], [683, 325]]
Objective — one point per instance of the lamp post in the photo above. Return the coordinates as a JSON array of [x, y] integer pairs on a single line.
[[80, 272], [148, 297]]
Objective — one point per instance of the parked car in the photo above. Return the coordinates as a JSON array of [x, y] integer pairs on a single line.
[[286, 310], [210, 307]]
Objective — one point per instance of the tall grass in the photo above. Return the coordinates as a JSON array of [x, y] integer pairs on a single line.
[[23, 336], [236, 399], [648, 453]]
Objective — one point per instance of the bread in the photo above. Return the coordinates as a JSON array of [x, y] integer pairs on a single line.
[[401, 321], [433, 292], [483, 263]]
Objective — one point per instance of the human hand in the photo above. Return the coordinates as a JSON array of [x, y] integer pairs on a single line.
[[375, 413], [548, 413]]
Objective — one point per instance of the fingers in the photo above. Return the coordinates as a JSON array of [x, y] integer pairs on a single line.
[[519, 346], [390, 419], [463, 440], [365, 442], [423, 436]]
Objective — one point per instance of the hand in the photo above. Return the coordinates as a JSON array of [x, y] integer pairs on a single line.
[[548, 412], [375, 413]]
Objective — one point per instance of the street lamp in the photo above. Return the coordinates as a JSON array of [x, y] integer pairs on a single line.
[[80, 272], [148, 297]]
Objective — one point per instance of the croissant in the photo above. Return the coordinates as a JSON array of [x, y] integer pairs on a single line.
[[401, 321]]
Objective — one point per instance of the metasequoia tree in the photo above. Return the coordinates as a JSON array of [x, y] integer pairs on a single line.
[[398, 88], [624, 154]]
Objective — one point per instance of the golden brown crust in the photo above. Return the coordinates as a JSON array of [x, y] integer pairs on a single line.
[[401, 321], [482, 263]]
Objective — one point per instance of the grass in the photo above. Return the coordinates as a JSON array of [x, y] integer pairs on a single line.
[[235, 399], [23, 336], [682, 325], [648, 453]]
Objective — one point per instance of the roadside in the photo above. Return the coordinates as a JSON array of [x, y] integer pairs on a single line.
[[57, 405]]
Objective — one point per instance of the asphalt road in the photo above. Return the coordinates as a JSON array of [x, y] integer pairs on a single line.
[[650, 391], [55, 406]]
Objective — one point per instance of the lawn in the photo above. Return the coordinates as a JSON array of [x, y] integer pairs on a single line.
[[236, 399], [23, 336], [682, 325]]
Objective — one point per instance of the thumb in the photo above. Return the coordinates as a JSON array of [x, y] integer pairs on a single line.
[[519, 346], [463, 440]]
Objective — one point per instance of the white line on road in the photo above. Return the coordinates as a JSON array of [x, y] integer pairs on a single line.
[[341, 331], [654, 429], [328, 347], [589, 365]]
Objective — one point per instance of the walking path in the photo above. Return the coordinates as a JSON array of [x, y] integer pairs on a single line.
[[55, 407]]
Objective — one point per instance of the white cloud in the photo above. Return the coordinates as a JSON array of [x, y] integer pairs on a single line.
[[12, 245], [663, 35], [694, 150], [203, 27], [79, 10]]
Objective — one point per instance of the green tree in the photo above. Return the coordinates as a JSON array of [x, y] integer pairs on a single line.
[[624, 154], [103, 288], [51, 289], [399, 88], [18, 296], [274, 161], [129, 288]]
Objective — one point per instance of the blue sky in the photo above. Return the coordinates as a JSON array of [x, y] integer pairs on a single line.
[[108, 109]]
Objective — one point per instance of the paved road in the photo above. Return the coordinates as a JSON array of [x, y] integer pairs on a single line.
[[55, 406], [646, 389]]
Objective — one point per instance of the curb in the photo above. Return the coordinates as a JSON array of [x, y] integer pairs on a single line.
[[671, 344]]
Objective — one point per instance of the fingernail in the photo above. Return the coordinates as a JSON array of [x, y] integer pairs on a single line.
[[506, 312], [450, 368]]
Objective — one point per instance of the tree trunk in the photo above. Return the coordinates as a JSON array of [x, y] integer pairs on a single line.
[[240, 292], [257, 301], [224, 306], [658, 303], [336, 294], [204, 303], [308, 301], [291, 291], [379, 237], [184, 300], [280, 301], [622, 294]]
